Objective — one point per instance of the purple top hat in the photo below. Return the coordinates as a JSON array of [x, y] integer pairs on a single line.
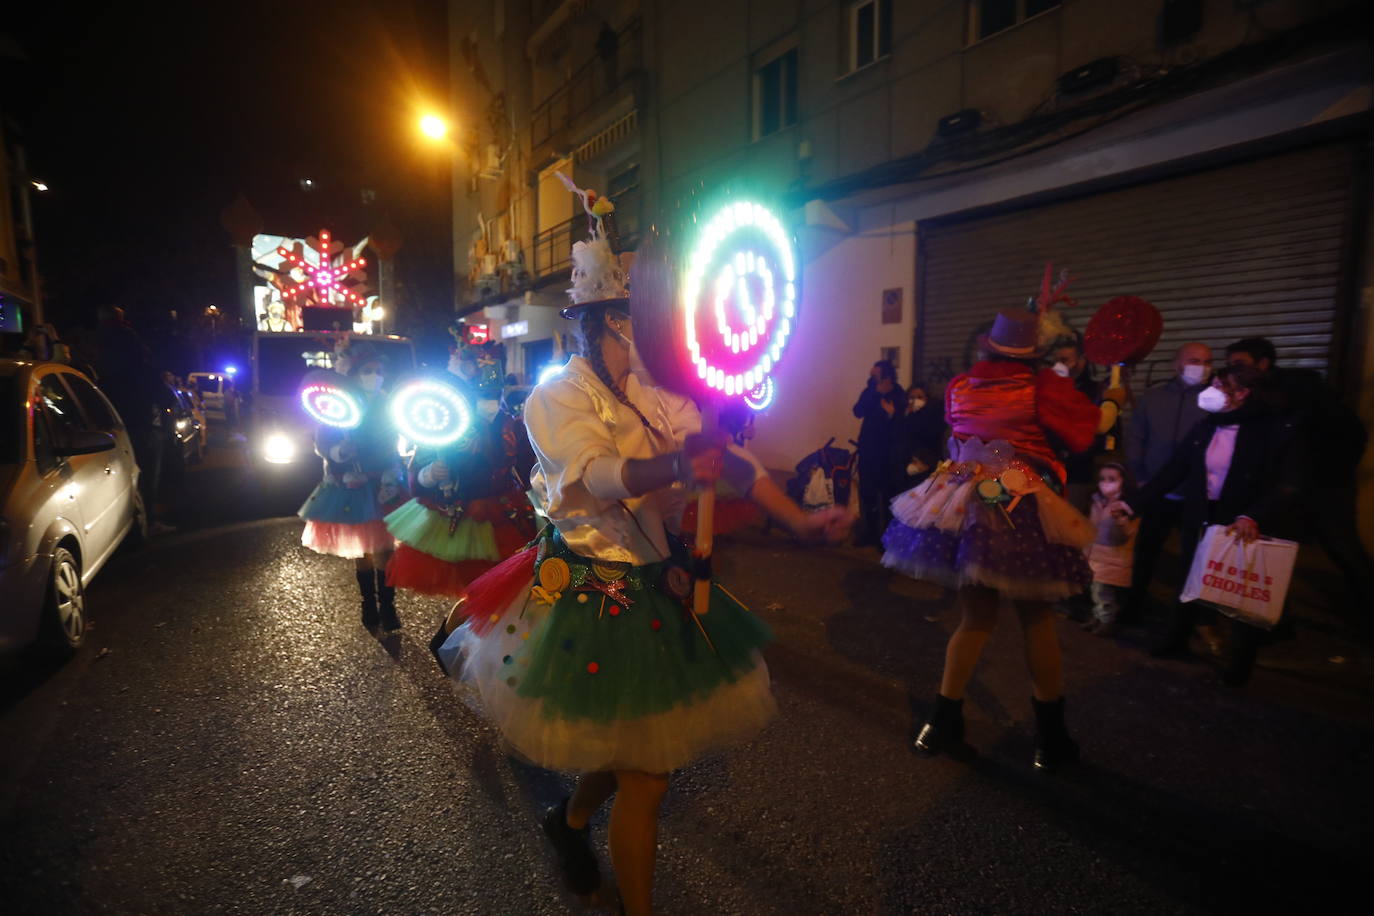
[[1015, 334]]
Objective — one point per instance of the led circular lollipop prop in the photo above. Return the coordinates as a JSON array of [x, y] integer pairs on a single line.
[[331, 404], [739, 298], [430, 412]]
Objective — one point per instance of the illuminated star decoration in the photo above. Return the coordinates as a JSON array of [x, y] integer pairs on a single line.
[[323, 278]]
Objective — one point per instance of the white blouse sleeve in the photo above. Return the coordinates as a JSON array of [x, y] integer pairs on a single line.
[[573, 444]]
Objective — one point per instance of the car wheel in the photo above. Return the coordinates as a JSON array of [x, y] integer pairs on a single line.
[[65, 614]]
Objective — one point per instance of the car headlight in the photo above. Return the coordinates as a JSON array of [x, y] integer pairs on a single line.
[[181, 424], [278, 448]]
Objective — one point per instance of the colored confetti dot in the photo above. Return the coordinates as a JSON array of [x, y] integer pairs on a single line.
[[656, 624], [615, 610], [582, 598], [525, 635], [510, 628], [593, 667], [510, 681], [506, 660], [495, 617], [567, 645]]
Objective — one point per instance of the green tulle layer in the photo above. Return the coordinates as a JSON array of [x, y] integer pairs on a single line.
[[591, 657], [427, 531]]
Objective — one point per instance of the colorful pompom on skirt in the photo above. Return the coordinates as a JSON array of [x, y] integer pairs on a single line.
[[943, 532], [345, 521], [588, 666], [440, 554]]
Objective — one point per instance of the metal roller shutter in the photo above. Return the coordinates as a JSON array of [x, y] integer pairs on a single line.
[[1242, 250]]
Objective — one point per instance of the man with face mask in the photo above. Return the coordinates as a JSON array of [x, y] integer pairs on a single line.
[[1161, 418]]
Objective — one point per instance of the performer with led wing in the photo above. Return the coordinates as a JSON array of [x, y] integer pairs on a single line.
[[587, 649], [991, 521], [363, 478], [469, 509]]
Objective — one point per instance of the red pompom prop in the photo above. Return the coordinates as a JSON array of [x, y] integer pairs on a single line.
[[1124, 330]]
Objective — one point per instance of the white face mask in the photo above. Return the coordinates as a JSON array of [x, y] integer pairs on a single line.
[[917, 404], [1109, 488], [1061, 369], [1212, 399], [371, 381], [1193, 375], [488, 408]]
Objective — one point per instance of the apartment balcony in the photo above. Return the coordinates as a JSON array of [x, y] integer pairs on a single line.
[[552, 248], [595, 87]]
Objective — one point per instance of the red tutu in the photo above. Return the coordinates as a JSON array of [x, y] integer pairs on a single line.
[[420, 572], [495, 590]]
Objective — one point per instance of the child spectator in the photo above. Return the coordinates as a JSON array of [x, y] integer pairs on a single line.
[[1111, 555]]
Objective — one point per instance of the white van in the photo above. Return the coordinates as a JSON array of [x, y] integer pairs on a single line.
[[279, 431], [213, 387]]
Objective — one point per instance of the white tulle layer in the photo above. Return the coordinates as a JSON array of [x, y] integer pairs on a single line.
[[950, 506]]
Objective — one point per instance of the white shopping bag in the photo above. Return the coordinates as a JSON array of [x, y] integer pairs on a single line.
[[1246, 581], [819, 492]]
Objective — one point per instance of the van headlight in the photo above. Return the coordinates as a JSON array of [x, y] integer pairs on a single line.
[[278, 448]]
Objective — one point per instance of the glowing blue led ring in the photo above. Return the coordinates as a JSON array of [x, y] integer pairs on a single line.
[[431, 413], [767, 323], [332, 405]]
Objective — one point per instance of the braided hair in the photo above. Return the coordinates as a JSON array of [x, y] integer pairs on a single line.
[[592, 327]]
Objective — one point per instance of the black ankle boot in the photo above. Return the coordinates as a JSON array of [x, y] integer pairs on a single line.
[[386, 601], [576, 860], [1053, 746], [367, 586], [945, 730]]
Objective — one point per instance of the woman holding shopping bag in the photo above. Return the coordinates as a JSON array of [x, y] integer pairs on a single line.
[[1243, 465]]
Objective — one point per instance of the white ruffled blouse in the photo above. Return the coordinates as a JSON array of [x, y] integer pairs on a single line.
[[583, 436]]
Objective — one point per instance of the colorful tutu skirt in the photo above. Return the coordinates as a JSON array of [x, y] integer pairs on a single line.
[[345, 521], [587, 666], [1003, 527], [441, 551]]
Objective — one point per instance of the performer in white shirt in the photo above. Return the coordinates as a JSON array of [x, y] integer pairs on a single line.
[[584, 647]]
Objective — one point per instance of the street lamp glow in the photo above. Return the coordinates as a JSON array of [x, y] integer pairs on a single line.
[[434, 127]]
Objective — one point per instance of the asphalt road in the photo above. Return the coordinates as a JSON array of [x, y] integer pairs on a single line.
[[232, 741]]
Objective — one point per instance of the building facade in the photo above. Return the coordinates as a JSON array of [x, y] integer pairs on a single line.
[[1209, 156]]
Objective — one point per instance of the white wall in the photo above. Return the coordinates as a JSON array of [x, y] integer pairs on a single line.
[[839, 336]]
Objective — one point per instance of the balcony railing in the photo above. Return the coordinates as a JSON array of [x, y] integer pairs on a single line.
[[596, 80], [553, 246]]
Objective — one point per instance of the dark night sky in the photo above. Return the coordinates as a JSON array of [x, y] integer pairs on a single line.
[[147, 119]]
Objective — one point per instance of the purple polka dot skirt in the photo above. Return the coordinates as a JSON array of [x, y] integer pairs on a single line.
[[1011, 555]]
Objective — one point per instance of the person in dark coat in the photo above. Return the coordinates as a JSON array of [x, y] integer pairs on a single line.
[[919, 439], [1328, 509], [1161, 418], [1243, 466], [1068, 361], [880, 406]]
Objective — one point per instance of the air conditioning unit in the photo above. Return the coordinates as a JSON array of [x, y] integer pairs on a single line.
[[490, 164]]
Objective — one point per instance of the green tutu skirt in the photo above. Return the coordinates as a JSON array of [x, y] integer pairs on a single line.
[[586, 666]]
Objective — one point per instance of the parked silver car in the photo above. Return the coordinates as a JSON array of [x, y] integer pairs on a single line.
[[68, 497]]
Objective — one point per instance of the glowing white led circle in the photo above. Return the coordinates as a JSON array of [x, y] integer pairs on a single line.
[[429, 412], [331, 405], [743, 257], [762, 396]]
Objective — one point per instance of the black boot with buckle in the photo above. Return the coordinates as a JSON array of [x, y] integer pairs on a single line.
[[944, 733], [1053, 746], [386, 600], [367, 586]]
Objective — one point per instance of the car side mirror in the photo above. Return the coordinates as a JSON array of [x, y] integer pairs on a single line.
[[85, 442]]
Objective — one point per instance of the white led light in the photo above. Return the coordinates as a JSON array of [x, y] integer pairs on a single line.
[[430, 412]]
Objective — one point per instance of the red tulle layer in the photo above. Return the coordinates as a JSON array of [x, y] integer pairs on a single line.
[[731, 516], [342, 539], [418, 571], [495, 590]]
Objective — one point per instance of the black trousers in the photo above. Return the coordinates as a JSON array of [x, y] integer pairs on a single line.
[[874, 496], [1154, 532]]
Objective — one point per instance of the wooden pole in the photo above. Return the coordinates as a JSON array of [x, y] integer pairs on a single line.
[[706, 525]]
